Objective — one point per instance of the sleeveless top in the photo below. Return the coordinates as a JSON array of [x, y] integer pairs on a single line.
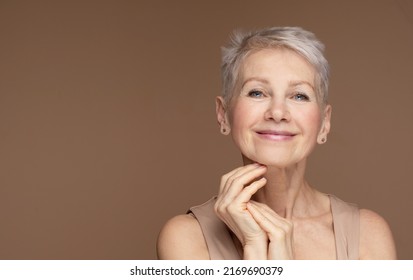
[[346, 226]]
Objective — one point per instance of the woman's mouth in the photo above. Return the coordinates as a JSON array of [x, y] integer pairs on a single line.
[[276, 135]]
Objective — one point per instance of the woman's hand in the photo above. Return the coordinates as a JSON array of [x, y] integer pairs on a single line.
[[236, 190], [279, 231], [262, 232]]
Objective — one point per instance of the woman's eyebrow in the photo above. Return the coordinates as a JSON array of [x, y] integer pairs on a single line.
[[257, 79], [299, 83], [265, 81]]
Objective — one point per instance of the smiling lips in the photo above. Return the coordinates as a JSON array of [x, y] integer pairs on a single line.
[[277, 135]]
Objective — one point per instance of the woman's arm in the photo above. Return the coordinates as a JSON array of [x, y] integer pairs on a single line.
[[181, 239], [376, 239]]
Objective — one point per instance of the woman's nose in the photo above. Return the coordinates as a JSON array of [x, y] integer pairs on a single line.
[[278, 111]]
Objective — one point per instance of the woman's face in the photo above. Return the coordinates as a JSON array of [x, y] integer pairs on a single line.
[[275, 115]]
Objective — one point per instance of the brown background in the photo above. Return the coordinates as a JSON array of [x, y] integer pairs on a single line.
[[107, 124]]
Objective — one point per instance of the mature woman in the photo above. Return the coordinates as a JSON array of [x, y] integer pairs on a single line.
[[274, 105]]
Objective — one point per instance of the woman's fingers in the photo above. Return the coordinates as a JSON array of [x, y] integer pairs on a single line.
[[278, 230], [269, 220], [240, 173], [240, 179], [248, 191], [239, 188], [225, 177]]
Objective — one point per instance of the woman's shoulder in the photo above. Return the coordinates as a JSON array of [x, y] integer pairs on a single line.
[[376, 239], [182, 238]]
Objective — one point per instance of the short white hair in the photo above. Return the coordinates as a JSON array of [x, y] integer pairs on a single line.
[[296, 39]]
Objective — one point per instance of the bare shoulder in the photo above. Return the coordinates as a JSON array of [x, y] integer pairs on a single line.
[[182, 238], [376, 239]]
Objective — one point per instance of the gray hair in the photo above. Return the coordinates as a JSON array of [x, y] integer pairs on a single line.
[[294, 38]]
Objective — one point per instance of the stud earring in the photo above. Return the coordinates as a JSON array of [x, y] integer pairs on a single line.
[[323, 140]]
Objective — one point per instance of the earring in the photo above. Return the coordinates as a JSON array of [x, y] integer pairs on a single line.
[[323, 140], [224, 130]]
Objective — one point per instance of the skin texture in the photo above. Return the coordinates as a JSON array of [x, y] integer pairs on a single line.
[[276, 119]]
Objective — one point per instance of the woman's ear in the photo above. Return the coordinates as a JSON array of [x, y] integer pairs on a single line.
[[325, 125], [222, 118]]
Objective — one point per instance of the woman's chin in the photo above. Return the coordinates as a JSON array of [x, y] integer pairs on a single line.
[[276, 162], [277, 165]]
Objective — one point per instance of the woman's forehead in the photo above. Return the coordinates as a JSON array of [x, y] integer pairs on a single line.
[[267, 64]]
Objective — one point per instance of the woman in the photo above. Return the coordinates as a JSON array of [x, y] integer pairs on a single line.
[[274, 105]]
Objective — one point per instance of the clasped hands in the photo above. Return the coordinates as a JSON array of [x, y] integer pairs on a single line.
[[262, 232]]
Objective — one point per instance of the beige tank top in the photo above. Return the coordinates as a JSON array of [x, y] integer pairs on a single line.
[[346, 225]]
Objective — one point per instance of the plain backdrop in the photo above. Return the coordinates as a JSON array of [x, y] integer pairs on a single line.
[[108, 128]]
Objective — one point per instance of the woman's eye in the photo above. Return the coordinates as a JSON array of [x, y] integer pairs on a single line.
[[255, 93], [301, 97]]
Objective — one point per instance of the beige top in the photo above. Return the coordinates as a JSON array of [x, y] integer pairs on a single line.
[[346, 225]]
